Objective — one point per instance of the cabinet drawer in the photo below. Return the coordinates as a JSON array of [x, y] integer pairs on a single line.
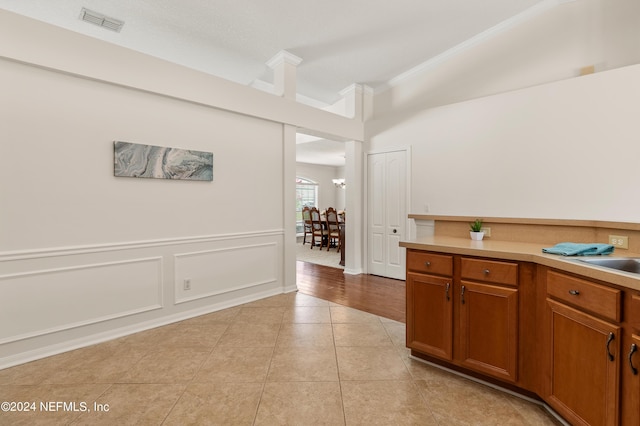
[[430, 263], [489, 270], [586, 295]]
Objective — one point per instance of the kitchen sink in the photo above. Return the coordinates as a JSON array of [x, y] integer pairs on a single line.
[[626, 264]]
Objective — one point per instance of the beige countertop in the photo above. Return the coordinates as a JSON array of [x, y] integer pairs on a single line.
[[527, 252]]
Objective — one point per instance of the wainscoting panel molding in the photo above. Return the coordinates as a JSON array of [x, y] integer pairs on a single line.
[[46, 301], [61, 298], [237, 268]]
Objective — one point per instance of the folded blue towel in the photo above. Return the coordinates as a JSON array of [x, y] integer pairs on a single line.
[[579, 249]]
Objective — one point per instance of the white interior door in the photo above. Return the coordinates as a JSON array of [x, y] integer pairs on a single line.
[[386, 214]]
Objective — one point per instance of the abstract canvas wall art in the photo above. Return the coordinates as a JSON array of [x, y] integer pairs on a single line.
[[149, 161]]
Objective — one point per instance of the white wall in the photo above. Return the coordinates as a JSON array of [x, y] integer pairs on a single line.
[[546, 47], [85, 256], [328, 194], [562, 150], [545, 145]]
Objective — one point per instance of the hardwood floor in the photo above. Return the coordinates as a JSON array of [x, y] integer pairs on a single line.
[[377, 295]]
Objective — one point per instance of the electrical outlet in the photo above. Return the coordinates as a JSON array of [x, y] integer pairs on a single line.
[[487, 231], [619, 241], [186, 285]]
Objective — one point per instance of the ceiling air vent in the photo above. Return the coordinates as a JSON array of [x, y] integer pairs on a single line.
[[101, 20]]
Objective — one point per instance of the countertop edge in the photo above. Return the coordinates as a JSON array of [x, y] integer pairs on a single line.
[[527, 252]]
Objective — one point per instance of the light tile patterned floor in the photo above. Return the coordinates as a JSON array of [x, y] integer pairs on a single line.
[[285, 360]]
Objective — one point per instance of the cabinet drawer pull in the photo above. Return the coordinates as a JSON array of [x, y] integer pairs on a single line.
[[634, 348], [609, 340], [446, 289], [427, 264], [462, 294], [486, 272], [574, 292]]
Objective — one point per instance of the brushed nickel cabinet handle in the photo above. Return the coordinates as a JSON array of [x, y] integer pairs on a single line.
[[427, 264], [486, 272], [609, 340], [462, 294], [446, 289], [574, 292], [634, 348]]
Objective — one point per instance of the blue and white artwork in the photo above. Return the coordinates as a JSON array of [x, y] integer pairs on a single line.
[[149, 161]]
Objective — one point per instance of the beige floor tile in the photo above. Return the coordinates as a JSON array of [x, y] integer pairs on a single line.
[[305, 300], [199, 338], [370, 363], [307, 315], [224, 316], [343, 314], [104, 363], [361, 334], [307, 335], [166, 366], [280, 300], [300, 403], [384, 403], [287, 359], [534, 414], [216, 404], [239, 365], [31, 373], [240, 334], [260, 315], [303, 364], [459, 401], [422, 371], [397, 332], [133, 404], [43, 399]]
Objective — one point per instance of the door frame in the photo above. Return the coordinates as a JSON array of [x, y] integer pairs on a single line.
[[408, 229]]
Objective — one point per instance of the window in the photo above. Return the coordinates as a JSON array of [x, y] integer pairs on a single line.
[[306, 195]]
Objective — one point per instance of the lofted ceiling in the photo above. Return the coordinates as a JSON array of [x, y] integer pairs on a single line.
[[341, 42]]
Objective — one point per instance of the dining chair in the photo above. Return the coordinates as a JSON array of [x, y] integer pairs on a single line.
[[333, 229], [317, 228], [306, 222]]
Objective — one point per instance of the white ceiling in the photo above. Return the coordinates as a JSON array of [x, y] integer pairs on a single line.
[[341, 42]]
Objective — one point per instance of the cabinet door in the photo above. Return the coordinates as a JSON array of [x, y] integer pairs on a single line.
[[429, 315], [631, 372], [585, 360], [489, 329]]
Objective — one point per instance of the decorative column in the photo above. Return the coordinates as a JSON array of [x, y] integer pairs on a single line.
[[284, 66], [358, 105]]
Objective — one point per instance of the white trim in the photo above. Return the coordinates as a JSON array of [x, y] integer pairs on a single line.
[[99, 248], [284, 57]]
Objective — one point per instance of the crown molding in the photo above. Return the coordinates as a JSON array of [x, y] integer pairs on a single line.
[[284, 57]]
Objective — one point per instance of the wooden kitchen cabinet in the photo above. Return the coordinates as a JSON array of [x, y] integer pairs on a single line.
[[470, 321], [429, 306], [585, 360], [488, 310], [631, 364], [632, 376], [569, 339], [430, 315], [489, 329], [584, 350]]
